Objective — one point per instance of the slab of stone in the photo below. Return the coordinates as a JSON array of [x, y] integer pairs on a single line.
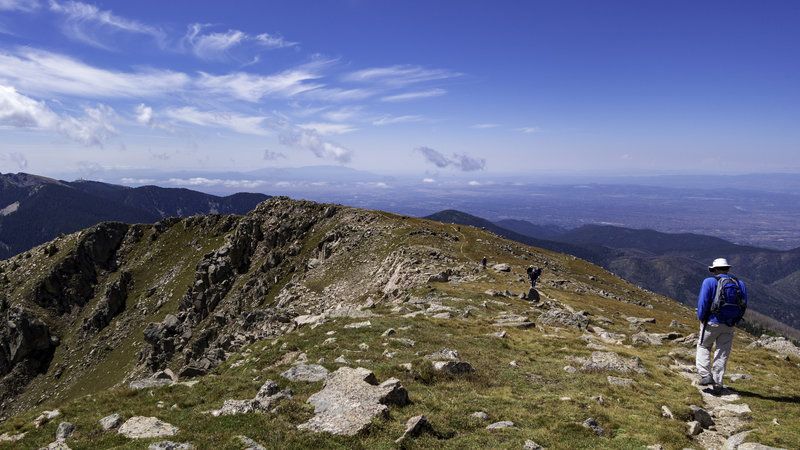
[[610, 361], [500, 425], [111, 421], [733, 442], [732, 410], [140, 427], [351, 399], [359, 324], [531, 445], [306, 372]]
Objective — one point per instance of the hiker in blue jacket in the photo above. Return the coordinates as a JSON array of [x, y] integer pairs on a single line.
[[718, 322]]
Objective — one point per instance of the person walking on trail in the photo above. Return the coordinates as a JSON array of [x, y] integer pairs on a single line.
[[720, 306], [534, 275]]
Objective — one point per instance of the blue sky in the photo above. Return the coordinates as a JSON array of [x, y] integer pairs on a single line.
[[427, 88]]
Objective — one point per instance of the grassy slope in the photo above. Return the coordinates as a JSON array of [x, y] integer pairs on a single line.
[[533, 395]]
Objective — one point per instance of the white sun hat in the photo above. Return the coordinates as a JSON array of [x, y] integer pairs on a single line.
[[719, 263]]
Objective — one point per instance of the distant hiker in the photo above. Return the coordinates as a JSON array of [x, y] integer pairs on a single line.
[[534, 275], [483, 262], [720, 306]]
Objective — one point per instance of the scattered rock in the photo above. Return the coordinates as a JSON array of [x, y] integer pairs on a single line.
[[501, 267], [453, 367], [140, 427], [359, 324], [500, 425], [415, 426], [694, 428], [306, 372], [444, 353], [666, 413], [169, 445], [531, 445], [5, 437], [592, 424], [350, 399], [251, 444], [110, 422], [480, 415], [64, 431], [616, 381], [561, 317], [702, 416], [45, 417], [267, 397], [613, 362]]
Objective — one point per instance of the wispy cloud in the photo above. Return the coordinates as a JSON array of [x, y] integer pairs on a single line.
[[328, 128], [15, 158], [343, 114], [481, 126], [232, 121], [462, 162], [414, 95], [47, 74], [253, 88], [219, 46], [88, 24], [398, 119], [19, 5], [24, 112], [269, 155], [529, 130], [201, 181], [399, 76]]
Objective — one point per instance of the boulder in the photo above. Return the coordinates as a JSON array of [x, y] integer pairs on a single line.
[[415, 426], [64, 431], [610, 361], [453, 367], [140, 427], [351, 399], [111, 421], [561, 317], [592, 424], [306, 372]]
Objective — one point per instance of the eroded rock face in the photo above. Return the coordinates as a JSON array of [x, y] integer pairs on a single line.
[[351, 399], [26, 349]]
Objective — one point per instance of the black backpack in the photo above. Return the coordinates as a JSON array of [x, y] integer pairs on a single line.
[[729, 303]]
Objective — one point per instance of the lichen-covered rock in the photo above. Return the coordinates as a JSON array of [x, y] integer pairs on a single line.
[[351, 399], [610, 361], [306, 372], [140, 427], [561, 317]]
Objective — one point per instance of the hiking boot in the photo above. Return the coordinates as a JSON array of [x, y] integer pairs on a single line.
[[705, 381]]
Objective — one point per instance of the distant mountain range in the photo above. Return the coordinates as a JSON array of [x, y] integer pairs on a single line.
[[36, 209], [673, 265]]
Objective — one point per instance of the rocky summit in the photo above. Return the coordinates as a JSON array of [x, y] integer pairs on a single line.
[[305, 325]]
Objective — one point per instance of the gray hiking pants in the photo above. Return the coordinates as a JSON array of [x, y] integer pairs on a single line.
[[721, 335]]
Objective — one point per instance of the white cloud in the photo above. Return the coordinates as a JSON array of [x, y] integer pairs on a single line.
[[462, 162], [19, 5], [208, 182], [343, 114], [529, 130], [399, 119], [87, 23], [428, 180], [16, 158], [481, 126], [414, 95], [138, 180], [45, 73], [217, 46], [338, 95], [310, 140], [233, 121], [269, 155], [24, 112], [325, 129], [144, 114], [274, 41], [253, 88], [474, 183], [398, 76]]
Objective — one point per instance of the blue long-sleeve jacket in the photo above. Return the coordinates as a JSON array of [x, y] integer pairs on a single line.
[[707, 296]]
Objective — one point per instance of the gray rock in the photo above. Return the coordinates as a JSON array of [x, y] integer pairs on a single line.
[[444, 353], [306, 372], [702, 416], [676, 324], [250, 444], [694, 428], [592, 424], [610, 361], [169, 445], [616, 381], [500, 425], [666, 413], [149, 383], [140, 427], [359, 324], [480, 415], [351, 399], [531, 445], [754, 446], [501, 267], [733, 442], [453, 367], [740, 376], [415, 426], [64, 431], [560, 317], [732, 410], [111, 421]]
